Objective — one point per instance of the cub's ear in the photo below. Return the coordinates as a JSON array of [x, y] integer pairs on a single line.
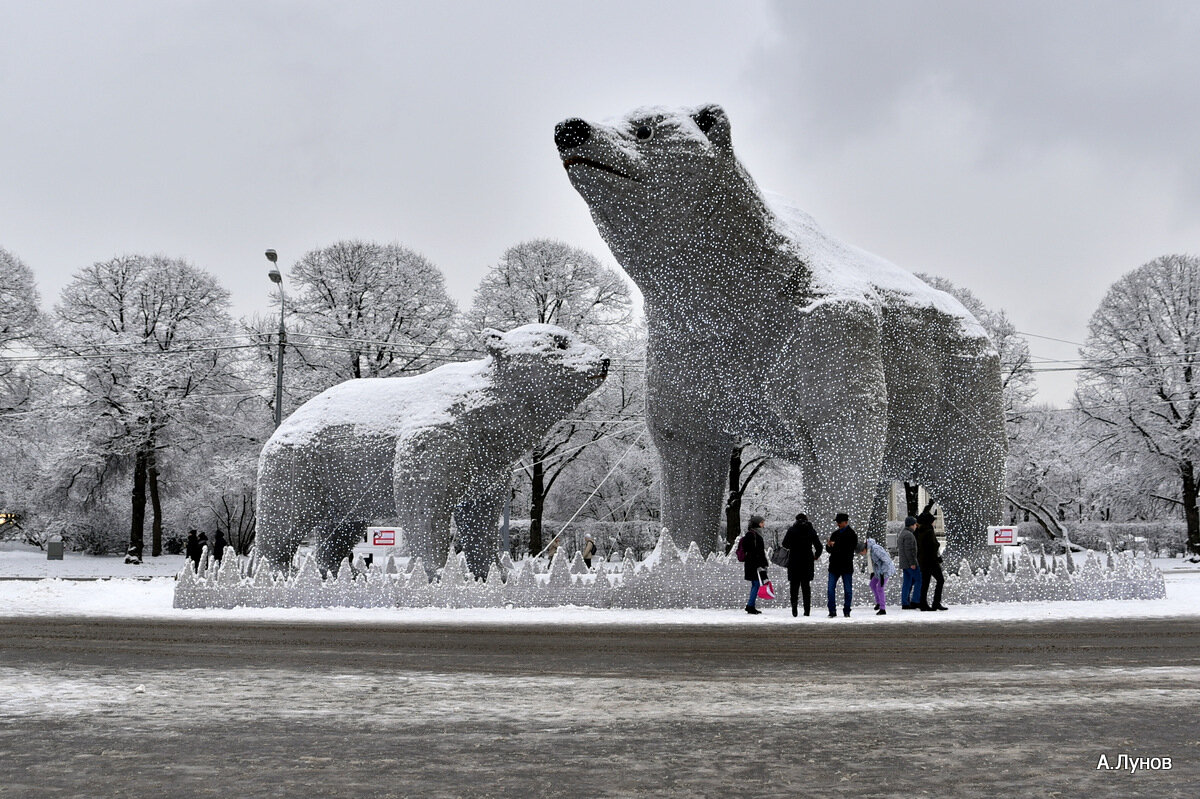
[[493, 341], [714, 124]]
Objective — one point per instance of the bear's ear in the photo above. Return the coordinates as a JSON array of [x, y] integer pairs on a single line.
[[714, 124], [493, 342]]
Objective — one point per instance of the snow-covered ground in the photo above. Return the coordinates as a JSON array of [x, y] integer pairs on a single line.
[[123, 596]]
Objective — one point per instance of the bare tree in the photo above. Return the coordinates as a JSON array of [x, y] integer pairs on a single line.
[[1140, 389], [364, 309]]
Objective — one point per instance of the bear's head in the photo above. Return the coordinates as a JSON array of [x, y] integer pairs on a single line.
[[659, 181], [544, 367]]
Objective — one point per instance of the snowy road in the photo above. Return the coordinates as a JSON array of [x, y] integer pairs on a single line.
[[264, 709]]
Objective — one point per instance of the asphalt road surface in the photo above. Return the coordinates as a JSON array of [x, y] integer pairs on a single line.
[[103, 708]]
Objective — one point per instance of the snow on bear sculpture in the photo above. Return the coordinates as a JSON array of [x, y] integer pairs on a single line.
[[419, 449], [765, 329]]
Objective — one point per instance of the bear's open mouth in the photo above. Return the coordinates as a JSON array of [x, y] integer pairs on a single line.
[[574, 160]]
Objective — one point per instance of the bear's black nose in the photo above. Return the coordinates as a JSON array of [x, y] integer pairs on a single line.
[[571, 133]]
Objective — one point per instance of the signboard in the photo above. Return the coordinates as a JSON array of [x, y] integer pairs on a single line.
[[1002, 536], [382, 536]]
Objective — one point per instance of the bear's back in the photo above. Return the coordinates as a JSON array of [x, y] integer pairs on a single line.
[[391, 406], [841, 271]]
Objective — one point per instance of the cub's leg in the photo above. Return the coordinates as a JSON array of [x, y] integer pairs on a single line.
[[476, 520]]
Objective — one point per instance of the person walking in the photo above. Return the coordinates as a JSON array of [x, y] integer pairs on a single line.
[[910, 569], [589, 549], [930, 560], [193, 549], [804, 547], [881, 569], [755, 562], [841, 547], [218, 548]]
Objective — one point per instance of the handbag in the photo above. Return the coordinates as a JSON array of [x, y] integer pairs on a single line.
[[780, 556], [766, 590]]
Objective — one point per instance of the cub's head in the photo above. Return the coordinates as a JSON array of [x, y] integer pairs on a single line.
[[655, 174], [545, 366]]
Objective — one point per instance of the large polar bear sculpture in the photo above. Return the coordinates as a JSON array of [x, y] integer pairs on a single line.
[[420, 449], [765, 329]]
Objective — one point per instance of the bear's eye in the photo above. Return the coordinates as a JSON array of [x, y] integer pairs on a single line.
[[644, 132], [705, 120]]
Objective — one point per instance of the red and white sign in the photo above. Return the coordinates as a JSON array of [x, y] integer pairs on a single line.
[[1002, 536], [383, 536]]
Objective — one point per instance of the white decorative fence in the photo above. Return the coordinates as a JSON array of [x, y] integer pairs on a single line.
[[667, 578]]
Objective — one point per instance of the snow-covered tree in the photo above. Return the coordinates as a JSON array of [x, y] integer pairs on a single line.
[[18, 327], [143, 344], [549, 282], [363, 309], [1140, 388]]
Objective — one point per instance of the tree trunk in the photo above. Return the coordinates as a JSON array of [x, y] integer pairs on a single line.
[[733, 500], [537, 503], [137, 516], [155, 503], [1188, 473], [912, 498]]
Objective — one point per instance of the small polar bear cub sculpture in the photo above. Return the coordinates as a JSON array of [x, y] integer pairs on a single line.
[[420, 449]]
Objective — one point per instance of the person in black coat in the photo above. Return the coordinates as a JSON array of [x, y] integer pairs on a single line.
[[841, 547], [218, 549], [756, 561], [193, 549], [804, 547], [930, 560]]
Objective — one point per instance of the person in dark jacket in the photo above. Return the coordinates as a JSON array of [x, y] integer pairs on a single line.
[[756, 559], [930, 560], [910, 568], [218, 548], [193, 549], [841, 546], [804, 548], [589, 549]]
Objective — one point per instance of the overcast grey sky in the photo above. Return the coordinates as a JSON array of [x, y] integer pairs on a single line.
[[1030, 151]]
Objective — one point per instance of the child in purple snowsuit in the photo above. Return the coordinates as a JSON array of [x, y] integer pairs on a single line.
[[881, 569]]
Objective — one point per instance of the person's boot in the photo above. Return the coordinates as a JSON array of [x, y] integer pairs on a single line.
[[846, 612], [794, 614], [881, 612], [940, 606], [833, 614], [925, 607]]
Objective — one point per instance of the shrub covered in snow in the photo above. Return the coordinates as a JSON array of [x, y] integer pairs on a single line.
[[666, 578]]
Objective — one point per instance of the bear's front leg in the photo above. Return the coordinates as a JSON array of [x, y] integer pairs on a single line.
[[476, 517], [695, 470], [839, 380], [428, 481]]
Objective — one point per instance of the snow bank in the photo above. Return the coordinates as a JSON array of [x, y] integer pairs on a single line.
[[666, 579]]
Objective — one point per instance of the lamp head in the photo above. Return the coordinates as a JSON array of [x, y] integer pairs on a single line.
[[271, 256], [275, 276]]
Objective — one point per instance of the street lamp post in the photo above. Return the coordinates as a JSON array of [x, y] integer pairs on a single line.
[[277, 279]]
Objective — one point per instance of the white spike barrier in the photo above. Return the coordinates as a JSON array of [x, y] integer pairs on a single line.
[[667, 578]]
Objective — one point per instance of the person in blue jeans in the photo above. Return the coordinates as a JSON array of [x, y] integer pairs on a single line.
[[755, 561], [910, 566], [841, 546]]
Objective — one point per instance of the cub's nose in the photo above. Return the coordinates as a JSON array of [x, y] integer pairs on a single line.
[[571, 133]]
